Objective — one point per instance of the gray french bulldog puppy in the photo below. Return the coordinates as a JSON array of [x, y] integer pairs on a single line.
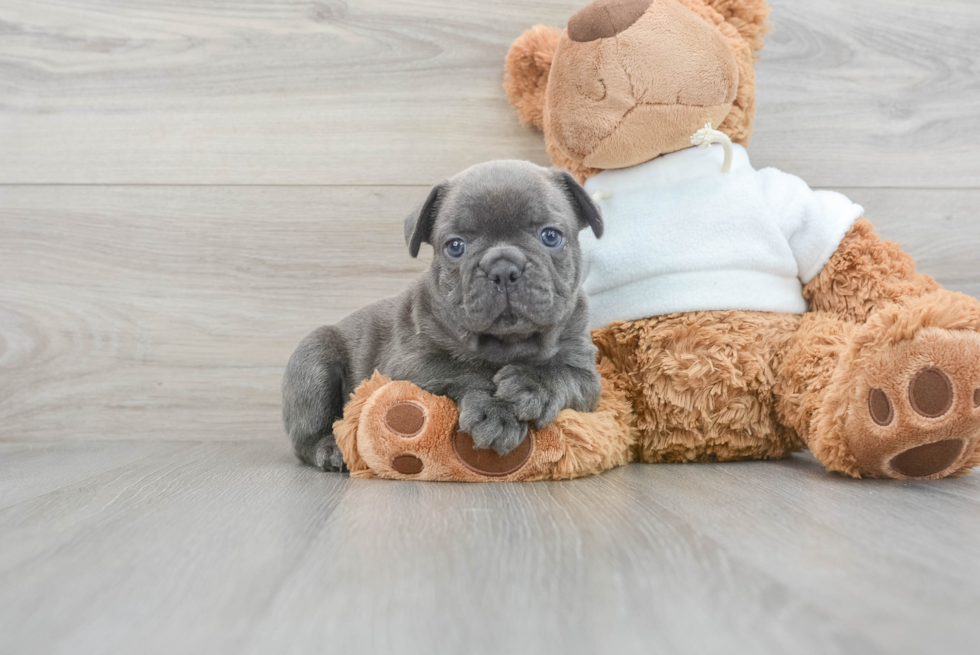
[[498, 322]]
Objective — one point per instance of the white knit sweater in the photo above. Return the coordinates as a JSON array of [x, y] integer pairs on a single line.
[[683, 236]]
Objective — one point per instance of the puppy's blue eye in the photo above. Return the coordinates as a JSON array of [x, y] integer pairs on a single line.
[[455, 248], [552, 237]]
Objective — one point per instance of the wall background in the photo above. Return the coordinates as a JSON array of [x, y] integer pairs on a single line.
[[188, 187]]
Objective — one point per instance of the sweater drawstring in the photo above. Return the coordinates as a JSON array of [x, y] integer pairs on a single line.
[[706, 137], [601, 195]]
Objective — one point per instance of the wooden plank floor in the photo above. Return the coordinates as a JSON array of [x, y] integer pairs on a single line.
[[187, 187], [236, 548]]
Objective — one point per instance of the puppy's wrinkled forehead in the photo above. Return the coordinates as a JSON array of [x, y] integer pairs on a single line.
[[502, 199]]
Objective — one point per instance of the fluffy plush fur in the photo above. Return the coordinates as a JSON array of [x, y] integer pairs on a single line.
[[880, 379], [701, 384], [526, 73], [866, 273]]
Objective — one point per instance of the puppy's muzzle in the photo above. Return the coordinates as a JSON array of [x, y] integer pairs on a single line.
[[504, 266]]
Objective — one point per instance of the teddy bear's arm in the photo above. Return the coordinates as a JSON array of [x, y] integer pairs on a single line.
[[864, 274]]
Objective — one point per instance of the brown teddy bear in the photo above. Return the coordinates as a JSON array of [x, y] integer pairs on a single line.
[[739, 314]]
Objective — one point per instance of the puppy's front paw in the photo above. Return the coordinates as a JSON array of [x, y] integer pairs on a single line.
[[491, 422], [531, 399]]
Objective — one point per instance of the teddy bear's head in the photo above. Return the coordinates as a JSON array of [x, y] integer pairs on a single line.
[[630, 80]]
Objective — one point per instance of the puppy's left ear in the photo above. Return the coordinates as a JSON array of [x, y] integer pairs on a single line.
[[418, 224], [586, 208]]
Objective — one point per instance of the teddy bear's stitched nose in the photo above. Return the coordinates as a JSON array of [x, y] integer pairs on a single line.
[[602, 19]]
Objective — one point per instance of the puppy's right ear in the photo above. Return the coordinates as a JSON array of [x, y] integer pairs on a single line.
[[418, 224], [585, 207]]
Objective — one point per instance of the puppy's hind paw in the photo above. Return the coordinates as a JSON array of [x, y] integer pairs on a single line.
[[327, 456]]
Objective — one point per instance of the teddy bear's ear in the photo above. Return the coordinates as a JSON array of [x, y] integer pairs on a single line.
[[528, 65], [749, 17]]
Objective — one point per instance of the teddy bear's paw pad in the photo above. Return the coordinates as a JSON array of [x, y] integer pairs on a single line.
[[486, 461], [406, 419], [881, 408], [407, 464], [928, 460], [931, 393]]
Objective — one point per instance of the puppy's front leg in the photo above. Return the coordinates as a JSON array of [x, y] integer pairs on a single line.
[[539, 393]]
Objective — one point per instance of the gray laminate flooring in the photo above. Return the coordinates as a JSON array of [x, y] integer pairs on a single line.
[[187, 187], [236, 548]]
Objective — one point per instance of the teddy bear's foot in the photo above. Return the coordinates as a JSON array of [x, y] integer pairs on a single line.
[[913, 407], [920, 415], [405, 421], [394, 429], [932, 396]]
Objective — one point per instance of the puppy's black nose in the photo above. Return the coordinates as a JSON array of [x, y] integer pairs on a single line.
[[504, 266], [504, 273]]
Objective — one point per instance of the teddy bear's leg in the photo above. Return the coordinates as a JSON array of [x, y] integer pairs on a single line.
[[394, 429], [865, 274], [897, 396], [701, 384]]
